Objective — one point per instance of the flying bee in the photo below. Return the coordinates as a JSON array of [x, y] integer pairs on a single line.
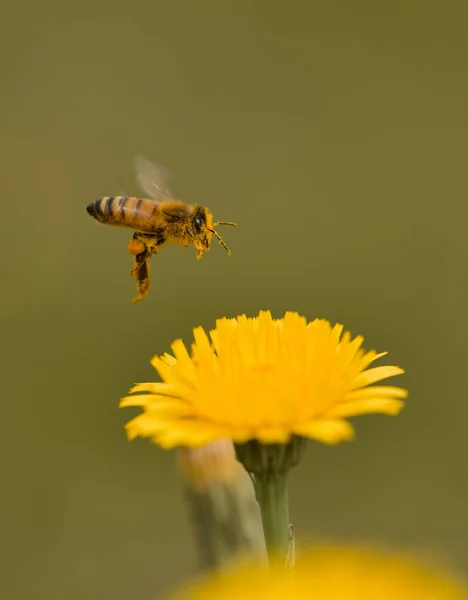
[[158, 219]]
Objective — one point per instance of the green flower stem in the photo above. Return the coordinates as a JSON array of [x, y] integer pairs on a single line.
[[272, 495]]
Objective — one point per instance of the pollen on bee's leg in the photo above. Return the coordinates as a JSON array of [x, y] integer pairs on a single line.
[[136, 246]]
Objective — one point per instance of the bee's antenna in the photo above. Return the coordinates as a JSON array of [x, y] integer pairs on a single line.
[[220, 239], [224, 223]]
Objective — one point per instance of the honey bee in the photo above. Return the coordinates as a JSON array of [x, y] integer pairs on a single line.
[[158, 219]]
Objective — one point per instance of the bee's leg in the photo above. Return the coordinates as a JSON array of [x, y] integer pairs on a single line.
[[143, 245], [141, 273], [140, 251], [142, 242], [196, 242], [140, 270], [150, 241], [156, 242]]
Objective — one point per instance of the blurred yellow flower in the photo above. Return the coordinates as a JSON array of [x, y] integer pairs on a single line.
[[223, 508], [215, 462], [265, 379], [333, 573]]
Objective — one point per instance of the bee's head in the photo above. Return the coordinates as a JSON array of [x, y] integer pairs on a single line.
[[203, 229], [202, 224]]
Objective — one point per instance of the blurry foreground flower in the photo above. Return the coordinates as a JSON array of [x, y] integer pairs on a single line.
[[265, 379], [268, 385], [225, 515], [333, 573], [213, 463]]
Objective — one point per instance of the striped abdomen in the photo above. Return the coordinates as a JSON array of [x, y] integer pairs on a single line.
[[136, 213]]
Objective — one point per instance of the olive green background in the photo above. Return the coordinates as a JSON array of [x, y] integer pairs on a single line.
[[335, 134]]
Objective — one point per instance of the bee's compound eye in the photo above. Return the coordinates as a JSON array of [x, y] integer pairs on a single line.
[[197, 223]]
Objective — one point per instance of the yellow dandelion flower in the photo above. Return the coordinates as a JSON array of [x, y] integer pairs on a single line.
[[334, 573], [262, 379], [268, 385]]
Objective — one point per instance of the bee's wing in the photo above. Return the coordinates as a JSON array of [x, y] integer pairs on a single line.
[[153, 179]]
